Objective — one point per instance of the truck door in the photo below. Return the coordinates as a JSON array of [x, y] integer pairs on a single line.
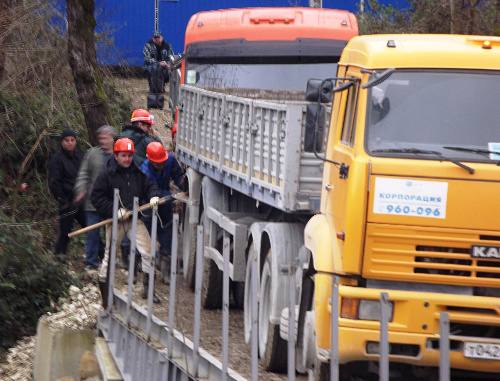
[[344, 208]]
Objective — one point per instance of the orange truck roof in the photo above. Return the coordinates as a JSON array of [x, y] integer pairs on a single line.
[[275, 23]]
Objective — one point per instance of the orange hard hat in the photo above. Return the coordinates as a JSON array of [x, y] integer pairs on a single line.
[[141, 115], [156, 152], [124, 145]]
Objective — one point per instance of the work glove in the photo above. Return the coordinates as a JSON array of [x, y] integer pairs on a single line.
[[154, 201], [122, 214]]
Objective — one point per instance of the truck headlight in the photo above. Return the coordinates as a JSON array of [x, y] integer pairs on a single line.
[[362, 309]]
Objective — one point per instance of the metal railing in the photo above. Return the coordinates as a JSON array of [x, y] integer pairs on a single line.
[[185, 360]]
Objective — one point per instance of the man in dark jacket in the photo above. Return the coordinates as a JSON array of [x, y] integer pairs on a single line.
[[63, 170], [157, 51], [141, 132], [161, 168], [123, 173]]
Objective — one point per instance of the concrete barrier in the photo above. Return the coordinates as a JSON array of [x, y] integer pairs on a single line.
[[59, 351]]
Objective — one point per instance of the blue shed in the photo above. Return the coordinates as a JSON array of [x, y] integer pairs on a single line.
[[130, 23]]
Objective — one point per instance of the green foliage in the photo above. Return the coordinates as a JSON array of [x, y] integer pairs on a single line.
[[30, 281], [38, 100], [429, 16]]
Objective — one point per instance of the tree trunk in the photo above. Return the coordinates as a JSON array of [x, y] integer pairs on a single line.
[[455, 16], [471, 22], [83, 62], [5, 20]]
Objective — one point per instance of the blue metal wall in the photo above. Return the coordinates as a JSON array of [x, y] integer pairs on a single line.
[[130, 23]]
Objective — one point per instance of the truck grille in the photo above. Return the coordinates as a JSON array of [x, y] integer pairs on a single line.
[[397, 252]]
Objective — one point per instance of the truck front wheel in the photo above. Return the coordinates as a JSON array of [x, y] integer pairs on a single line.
[[272, 348]]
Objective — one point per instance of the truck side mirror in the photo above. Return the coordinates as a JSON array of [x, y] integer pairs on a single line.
[[315, 126], [319, 90]]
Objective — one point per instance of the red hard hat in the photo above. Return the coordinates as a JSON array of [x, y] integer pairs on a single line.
[[141, 115], [124, 145], [156, 152]]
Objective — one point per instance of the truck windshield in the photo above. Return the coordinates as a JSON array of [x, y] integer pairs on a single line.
[[453, 113], [268, 76]]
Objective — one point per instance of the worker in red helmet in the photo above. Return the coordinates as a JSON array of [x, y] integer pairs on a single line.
[[141, 132], [163, 169], [123, 173]]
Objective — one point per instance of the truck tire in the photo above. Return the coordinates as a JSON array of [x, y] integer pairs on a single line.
[[211, 290], [272, 348], [247, 304], [238, 290], [189, 234], [321, 372]]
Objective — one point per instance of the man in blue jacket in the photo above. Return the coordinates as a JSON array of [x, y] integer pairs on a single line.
[[162, 168]]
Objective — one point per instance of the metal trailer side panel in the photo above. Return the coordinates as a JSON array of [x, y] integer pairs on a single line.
[[252, 146]]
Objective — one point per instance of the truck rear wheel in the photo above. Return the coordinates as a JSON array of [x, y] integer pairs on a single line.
[[272, 348], [247, 304], [189, 234], [211, 291]]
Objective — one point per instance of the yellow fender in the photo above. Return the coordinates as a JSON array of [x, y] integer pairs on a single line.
[[323, 247]]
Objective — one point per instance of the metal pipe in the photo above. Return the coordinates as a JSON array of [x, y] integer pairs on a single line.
[[112, 251], [151, 284], [173, 284], [384, 337], [131, 260]]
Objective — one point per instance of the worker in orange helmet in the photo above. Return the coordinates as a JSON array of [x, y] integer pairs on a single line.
[[163, 169], [141, 132], [123, 173]]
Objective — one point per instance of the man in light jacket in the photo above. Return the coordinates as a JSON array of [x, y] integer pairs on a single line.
[[93, 163]]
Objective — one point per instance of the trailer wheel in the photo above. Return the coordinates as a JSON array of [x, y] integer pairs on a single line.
[[211, 291], [321, 371], [247, 303], [272, 348], [189, 234], [238, 289]]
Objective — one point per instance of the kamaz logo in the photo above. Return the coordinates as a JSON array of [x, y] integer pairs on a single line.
[[485, 252]]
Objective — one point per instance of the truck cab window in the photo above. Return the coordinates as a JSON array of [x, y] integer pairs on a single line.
[[348, 127], [432, 110]]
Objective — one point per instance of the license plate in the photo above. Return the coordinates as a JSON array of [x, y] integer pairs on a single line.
[[482, 351]]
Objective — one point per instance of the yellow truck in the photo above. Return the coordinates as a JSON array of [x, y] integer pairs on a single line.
[[409, 204]]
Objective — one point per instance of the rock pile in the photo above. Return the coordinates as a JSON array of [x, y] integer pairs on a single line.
[[79, 311]]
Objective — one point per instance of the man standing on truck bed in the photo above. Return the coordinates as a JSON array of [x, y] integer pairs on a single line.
[[123, 173]]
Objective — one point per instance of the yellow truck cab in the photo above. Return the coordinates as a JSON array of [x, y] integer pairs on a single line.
[[410, 202]]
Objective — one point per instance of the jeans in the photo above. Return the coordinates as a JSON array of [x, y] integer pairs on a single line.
[[94, 242], [163, 234]]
